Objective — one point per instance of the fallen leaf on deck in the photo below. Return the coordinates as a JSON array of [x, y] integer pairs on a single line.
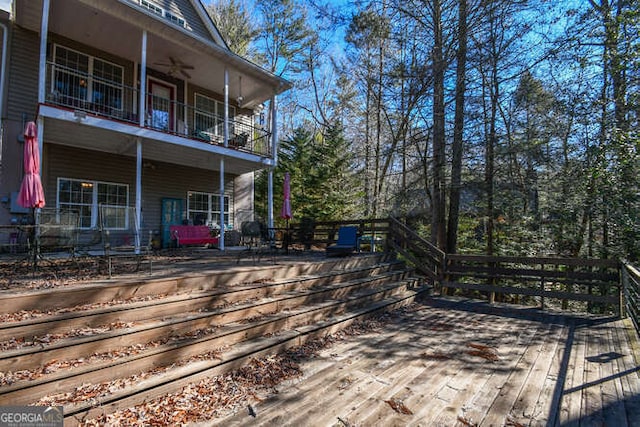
[[466, 422], [483, 351], [399, 407], [436, 355]]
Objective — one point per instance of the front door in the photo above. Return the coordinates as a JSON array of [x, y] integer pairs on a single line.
[[171, 215], [161, 106]]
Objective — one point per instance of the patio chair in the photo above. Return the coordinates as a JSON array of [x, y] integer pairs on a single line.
[[255, 236], [121, 238], [347, 241]]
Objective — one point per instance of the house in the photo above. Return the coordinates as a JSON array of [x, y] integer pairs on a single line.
[[138, 103]]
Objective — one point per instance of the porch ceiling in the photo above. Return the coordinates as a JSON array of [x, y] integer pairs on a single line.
[[199, 155], [116, 26]]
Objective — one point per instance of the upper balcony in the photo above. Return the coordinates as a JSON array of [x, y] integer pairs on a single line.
[[90, 94], [100, 55]]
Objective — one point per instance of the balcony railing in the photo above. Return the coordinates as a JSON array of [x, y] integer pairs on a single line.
[[113, 100]]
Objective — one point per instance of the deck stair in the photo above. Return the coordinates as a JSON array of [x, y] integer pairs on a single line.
[[169, 327]]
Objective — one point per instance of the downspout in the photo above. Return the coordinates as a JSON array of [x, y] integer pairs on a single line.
[[3, 78]]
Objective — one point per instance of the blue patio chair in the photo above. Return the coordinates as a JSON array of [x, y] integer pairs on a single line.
[[347, 241]]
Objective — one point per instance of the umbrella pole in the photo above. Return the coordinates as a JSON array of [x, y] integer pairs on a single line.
[[287, 239]]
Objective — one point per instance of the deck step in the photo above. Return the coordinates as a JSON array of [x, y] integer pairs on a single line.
[[185, 328]]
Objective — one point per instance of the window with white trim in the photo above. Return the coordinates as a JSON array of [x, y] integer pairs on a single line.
[[152, 7], [168, 15], [204, 208], [84, 197], [79, 78], [209, 117], [174, 18]]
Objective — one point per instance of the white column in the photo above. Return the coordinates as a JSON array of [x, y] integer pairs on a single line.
[[138, 192], [221, 238], [270, 198], [226, 144], [274, 148], [274, 129], [44, 29], [142, 109], [40, 124]]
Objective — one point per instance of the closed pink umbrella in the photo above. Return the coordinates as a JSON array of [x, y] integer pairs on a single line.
[[285, 212], [31, 193]]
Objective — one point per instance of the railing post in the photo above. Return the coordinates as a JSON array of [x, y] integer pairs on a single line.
[[492, 281], [622, 289], [541, 287]]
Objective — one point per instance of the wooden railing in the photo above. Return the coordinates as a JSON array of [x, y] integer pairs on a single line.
[[589, 285], [422, 254], [594, 282], [631, 287], [372, 233]]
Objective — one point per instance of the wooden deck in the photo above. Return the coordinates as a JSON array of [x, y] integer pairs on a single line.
[[466, 363]]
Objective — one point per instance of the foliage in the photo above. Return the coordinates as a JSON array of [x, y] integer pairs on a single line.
[[550, 141], [233, 21], [321, 176]]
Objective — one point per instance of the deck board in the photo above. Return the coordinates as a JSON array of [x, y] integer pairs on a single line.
[[551, 369]]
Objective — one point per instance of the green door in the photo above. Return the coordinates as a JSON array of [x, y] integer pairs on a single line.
[[171, 215]]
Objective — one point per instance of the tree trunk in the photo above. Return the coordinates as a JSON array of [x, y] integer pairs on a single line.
[[438, 234], [458, 131]]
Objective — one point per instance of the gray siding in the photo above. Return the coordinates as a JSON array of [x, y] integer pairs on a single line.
[[185, 10], [159, 180], [22, 93]]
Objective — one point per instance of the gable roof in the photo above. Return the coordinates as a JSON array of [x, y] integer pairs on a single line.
[[208, 23]]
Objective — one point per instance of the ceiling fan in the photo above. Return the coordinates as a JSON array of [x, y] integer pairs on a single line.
[[176, 66]]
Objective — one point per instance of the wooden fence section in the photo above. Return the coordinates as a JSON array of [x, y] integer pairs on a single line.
[[594, 281], [372, 233], [631, 286], [424, 256]]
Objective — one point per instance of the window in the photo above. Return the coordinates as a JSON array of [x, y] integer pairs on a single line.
[[209, 117], [79, 78], [169, 16], [173, 18], [152, 7], [84, 196], [205, 208]]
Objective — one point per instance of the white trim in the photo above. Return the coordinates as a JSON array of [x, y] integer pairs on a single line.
[[91, 80], [166, 14], [172, 100], [94, 199], [42, 72], [142, 107], [3, 76], [138, 192], [209, 24], [100, 123], [210, 210]]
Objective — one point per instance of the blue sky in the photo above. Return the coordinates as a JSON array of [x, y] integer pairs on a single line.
[[5, 5]]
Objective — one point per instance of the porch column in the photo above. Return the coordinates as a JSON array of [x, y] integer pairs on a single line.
[[44, 29], [274, 149], [138, 192], [142, 108], [42, 73], [225, 136]]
